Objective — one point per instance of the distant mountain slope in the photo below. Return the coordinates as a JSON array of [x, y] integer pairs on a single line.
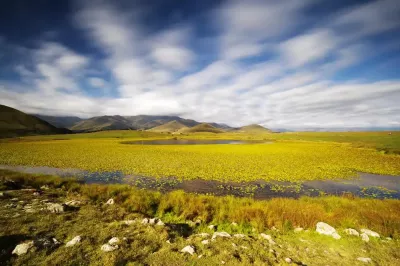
[[151, 121], [60, 121], [170, 127], [253, 128], [16, 123], [100, 123], [204, 127]]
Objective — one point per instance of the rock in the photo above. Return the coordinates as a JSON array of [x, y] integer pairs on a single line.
[[288, 260], [326, 229], [364, 237], [129, 222], [298, 229], [273, 228], [268, 237], [234, 224], [113, 241], [160, 223], [200, 256], [45, 187], [153, 220], [203, 235], [73, 203], [1, 194], [145, 221], [36, 194], [239, 235], [29, 208], [74, 241], [14, 199], [197, 222], [55, 207], [352, 232], [22, 248], [223, 262], [366, 260], [370, 233], [110, 202], [220, 234], [212, 227], [108, 247], [388, 238], [244, 247], [205, 242], [188, 249], [46, 243]]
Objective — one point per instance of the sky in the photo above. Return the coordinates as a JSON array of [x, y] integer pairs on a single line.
[[278, 63]]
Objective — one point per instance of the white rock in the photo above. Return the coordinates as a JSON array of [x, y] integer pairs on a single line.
[[211, 226], [113, 241], [205, 242], [129, 222], [244, 247], [74, 241], [265, 236], [388, 238], [366, 260], [22, 248], [364, 237], [153, 220], [288, 260], [326, 229], [145, 221], [370, 233], [44, 187], [298, 229], [160, 223], [55, 207], [1, 194], [188, 249], [108, 248], [203, 235], [234, 224], [223, 262], [73, 203], [110, 202], [239, 235], [352, 232], [220, 234], [200, 256]]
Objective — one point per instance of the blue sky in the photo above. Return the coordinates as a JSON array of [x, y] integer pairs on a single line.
[[288, 63]]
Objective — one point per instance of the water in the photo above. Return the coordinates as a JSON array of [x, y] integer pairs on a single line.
[[193, 142], [367, 185]]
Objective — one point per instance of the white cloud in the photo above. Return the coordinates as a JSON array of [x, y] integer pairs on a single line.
[[172, 56], [97, 82]]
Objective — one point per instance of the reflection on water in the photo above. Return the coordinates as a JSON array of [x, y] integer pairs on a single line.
[[193, 142], [367, 185]]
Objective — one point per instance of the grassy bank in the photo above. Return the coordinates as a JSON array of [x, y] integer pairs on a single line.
[[97, 222]]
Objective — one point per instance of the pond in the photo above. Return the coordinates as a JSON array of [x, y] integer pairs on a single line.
[[366, 185], [193, 142]]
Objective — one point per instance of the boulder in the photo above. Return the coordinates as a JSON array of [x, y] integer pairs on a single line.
[[74, 241], [352, 232], [205, 242], [370, 233], [110, 202], [220, 234], [188, 249], [366, 260], [55, 207], [364, 237], [113, 241], [108, 247], [22, 248], [326, 229]]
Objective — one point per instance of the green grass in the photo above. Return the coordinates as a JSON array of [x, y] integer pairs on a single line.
[[146, 245]]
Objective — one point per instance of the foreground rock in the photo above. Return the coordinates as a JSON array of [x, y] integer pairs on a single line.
[[74, 241], [370, 233], [188, 249], [364, 237], [366, 260], [352, 232], [326, 229], [110, 202], [113, 241], [55, 207], [73, 203], [22, 248], [108, 247], [220, 234], [268, 237]]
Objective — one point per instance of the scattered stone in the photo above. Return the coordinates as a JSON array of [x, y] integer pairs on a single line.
[[45, 187], [389, 238], [46, 242], [108, 247], [129, 222], [239, 235], [370, 233], [113, 241], [288, 260], [110, 202], [268, 237], [364, 237], [205, 242], [198, 222], [234, 224], [271, 250], [74, 241], [145, 221], [212, 227], [22, 248], [153, 220], [203, 235], [169, 242], [14, 199], [273, 228], [223, 262], [298, 229], [29, 208], [200, 256], [55, 207], [188, 249], [366, 260], [160, 223], [244, 247], [326, 229], [36, 194], [73, 203], [234, 245], [352, 232], [220, 234], [1, 194]]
